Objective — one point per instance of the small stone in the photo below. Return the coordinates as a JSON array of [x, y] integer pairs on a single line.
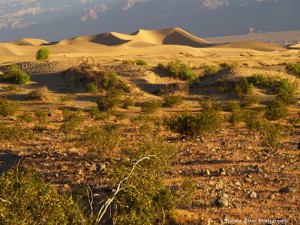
[[253, 195], [207, 172], [237, 183], [272, 196], [222, 171], [222, 202], [93, 168], [287, 189]]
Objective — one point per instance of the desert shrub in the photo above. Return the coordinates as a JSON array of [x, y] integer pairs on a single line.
[[141, 62], [276, 110], [127, 102], [42, 54], [243, 87], [150, 106], [210, 104], [224, 65], [271, 134], [294, 120], [210, 70], [39, 128], [172, 100], [286, 91], [41, 116], [128, 62], [8, 107], [27, 199], [16, 133], [41, 94], [92, 88], [249, 100], [109, 80], [15, 76], [293, 68], [102, 139], [11, 88], [195, 124], [143, 199], [97, 114], [179, 70], [260, 79], [71, 121], [26, 117], [110, 101], [237, 114]]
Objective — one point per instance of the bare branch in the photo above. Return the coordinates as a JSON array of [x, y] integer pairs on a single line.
[[104, 207], [3, 200]]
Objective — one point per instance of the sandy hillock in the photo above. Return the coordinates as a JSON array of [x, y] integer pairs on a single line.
[[31, 41]]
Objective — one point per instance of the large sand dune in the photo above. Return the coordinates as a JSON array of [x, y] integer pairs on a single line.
[[31, 41], [254, 45]]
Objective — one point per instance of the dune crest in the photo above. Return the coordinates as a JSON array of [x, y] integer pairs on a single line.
[[170, 36], [31, 41], [254, 45]]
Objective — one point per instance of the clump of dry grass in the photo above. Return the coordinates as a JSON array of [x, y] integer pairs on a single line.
[[184, 217], [41, 94]]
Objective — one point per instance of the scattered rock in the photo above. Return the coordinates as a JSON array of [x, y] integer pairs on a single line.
[[92, 168], [222, 202], [253, 195], [222, 171], [207, 172], [287, 189]]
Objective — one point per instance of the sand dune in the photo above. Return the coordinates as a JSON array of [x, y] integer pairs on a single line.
[[30, 41], [254, 45], [172, 36], [296, 46]]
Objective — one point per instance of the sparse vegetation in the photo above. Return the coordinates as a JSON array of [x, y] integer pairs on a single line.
[[92, 88], [40, 94], [178, 69], [294, 68], [150, 106], [72, 120], [172, 100], [15, 76], [42, 54], [141, 62], [210, 70], [27, 199], [276, 110], [8, 107], [195, 124]]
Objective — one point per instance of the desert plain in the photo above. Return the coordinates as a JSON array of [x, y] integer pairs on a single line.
[[238, 176]]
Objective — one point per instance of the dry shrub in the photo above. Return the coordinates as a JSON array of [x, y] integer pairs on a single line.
[[184, 217], [41, 94]]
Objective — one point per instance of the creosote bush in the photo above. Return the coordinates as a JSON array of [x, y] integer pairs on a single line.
[[71, 123], [172, 100], [150, 106], [110, 101], [27, 199], [143, 199], [16, 133], [42, 54], [195, 124], [8, 107], [141, 62], [15, 76], [102, 139], [92, 88], [40, 94], [276, 110], [179, 70]]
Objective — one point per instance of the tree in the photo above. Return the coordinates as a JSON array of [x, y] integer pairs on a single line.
[[42, 54]]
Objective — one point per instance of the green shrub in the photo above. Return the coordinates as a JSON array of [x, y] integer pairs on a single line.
[[286, 91], [109, 80], [210, 70], [127, 102], [26, 117], [178, 69], [141, 62], [110, 101], [249, 100], [293, 68], [27, 199], [14, 133], [102, 139], [143, 198], [92, 88], [224, 65], [72, 120], [195, 124], [150, 106], [276, 110], [15, 76], [128, 62], [42, 54], [41, 116], [97, 114], [237, 114], [172, 100], [7, 107]]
